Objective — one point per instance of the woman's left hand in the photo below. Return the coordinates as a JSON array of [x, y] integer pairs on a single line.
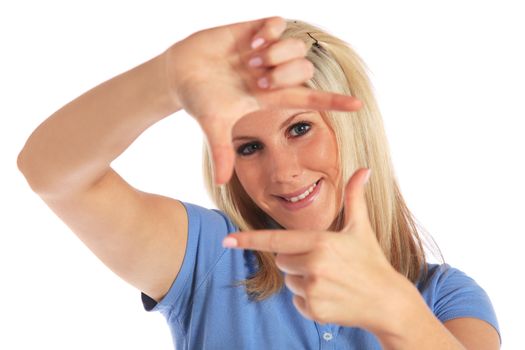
[[336, 277]]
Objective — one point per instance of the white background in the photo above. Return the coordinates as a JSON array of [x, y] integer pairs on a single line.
[[449, 80]]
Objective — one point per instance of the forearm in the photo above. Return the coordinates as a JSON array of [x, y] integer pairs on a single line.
[[416, 327], [75, 146]]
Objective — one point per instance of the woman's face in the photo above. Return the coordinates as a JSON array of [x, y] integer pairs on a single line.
[[287, 162]]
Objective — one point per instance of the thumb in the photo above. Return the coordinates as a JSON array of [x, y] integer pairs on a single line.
[[355, 207], [218, 136]]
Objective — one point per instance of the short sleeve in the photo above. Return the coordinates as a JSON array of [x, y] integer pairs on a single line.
[[450, 293], [206, 230]]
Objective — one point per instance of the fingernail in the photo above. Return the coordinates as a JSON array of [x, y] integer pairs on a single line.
[[263, 83], [367, 176], [257, 42], [255, 62], [229, 242]]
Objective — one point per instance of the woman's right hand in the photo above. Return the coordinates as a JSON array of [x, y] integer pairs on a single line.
[[211, 78]]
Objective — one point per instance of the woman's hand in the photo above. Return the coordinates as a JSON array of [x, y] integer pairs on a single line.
[[219, 75], [337, 277]]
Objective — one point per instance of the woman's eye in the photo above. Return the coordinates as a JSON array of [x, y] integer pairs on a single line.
[[299, 129], [249, 148]]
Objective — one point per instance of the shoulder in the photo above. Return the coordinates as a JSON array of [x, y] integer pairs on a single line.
[[450, 293], [443, 281], [206, 230], [441, 276], [200, 218]]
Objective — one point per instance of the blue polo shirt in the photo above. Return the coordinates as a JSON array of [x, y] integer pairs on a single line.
[[205, 309]]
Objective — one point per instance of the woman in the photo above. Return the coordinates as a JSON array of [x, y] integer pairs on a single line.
[[343, 265]]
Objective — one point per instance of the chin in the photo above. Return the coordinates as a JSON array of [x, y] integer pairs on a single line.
[[314, 226], [318, 224]]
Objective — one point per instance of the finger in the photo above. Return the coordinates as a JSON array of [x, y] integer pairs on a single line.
[[288, 74], [271, 30], [356, 210], [218, 136], [295, 284], [302, 97], [301, 306], [276, 241], [252, 36], [295, 264], [280, 52]]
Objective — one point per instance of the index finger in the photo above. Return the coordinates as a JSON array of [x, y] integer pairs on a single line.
[[276, 241], [302, 97]]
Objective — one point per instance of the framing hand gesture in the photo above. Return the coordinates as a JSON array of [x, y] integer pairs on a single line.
[[223, 73], [336, 277]]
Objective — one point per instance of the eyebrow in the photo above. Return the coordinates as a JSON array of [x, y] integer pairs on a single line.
[[283, 125]]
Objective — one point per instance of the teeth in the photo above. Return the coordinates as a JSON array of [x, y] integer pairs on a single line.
[[302, 195]]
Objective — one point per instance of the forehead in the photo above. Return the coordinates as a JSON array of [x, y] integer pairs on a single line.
[[269, 120]]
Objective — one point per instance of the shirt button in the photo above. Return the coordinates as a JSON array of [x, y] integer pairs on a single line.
[[327, 336]]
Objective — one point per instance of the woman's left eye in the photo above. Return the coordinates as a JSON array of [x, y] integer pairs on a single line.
[[299, 129]]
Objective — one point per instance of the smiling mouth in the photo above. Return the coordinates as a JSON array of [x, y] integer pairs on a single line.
[[303, 195]]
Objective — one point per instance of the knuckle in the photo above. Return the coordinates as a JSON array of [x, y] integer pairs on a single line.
[[273, 242], [274, 77], [309, 291], [275, 29], [309, 68], [315, 99], [316, 270], [301, 46], [322, 242], [289, 281], [270, 58], [280, 260], [278, 25], [275, 21], [318, 312], [322, 317], [311, 287]]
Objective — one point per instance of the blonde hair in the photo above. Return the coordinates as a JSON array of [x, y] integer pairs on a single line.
[[361, 143]]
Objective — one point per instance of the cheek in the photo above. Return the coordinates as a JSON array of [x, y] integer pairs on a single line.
[[322, 150], [324, 158], [248, 175]]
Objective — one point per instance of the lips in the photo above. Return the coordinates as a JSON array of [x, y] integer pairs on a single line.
[[306, 201], [287, 196]]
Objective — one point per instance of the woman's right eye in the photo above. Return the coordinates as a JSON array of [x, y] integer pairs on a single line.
[[249, 148]]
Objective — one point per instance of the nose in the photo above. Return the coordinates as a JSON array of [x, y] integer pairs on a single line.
[[284, 165]]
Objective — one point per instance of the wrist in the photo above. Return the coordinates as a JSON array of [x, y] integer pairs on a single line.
[[404, 308], [172, 73], [166, 87], [410, 324]]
